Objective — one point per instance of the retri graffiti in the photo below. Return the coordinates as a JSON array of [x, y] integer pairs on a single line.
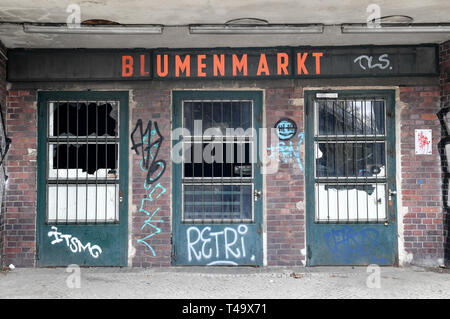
[[148, 145], [286, 151], [223, 247], [73, 243], [348, 245]]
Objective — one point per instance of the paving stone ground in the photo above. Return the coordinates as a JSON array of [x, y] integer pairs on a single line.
[[226, 282]]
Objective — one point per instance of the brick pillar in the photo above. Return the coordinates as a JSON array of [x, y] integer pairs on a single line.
[[20, 196], [285, 212], [421, 176], [152, 247], [444, 60]]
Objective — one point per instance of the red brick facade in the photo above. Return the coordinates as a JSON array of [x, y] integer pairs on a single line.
[[20, 197], [284, 193], [284, 213], [421, 177], [152, 106]]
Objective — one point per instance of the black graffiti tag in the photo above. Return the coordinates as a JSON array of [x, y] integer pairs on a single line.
[[149, 139]]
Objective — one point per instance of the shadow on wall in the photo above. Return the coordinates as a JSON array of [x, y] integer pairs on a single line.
[[444, 151]]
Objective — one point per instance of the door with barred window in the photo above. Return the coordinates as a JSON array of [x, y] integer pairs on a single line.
[[350, 178], [217, 205], [82, 178]]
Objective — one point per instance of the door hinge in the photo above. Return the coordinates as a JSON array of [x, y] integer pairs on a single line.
[[37, 251], [174, 250]]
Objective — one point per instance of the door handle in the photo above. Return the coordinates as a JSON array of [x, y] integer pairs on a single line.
[[392, 193], [120, 196], [257, 195]]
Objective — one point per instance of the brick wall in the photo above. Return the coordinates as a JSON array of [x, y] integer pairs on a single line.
[[444, 59], [284, 192], [151, 105], [20, 197], [421, 176]]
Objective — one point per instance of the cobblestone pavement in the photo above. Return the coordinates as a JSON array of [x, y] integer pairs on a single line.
[[226, 282]]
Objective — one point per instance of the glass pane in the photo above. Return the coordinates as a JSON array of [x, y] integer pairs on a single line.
[[83, 203], [348, 117], [217, 159], [220, 115], [350, 202], [217, 202], [350, 160], [188, 119]]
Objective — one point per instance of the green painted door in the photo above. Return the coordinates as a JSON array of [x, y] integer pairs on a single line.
[[82, 178], [350, 178], [217, 205]]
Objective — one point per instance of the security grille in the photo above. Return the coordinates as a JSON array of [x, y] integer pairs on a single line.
[[217, 184], [350, 161], [82, 171]]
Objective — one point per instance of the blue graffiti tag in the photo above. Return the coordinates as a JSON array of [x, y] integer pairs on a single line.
[[348, 245], [287, 151], [149, 147]]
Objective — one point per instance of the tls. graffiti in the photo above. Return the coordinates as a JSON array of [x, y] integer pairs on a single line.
[[218, 247], [148, 145], [348, 245], [73, 243]]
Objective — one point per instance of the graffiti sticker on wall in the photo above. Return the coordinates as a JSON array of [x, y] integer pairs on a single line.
[[286, 129], [423, 140]]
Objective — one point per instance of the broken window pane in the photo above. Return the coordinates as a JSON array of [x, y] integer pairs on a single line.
[[84, 158], [84, 119], [83, 155]]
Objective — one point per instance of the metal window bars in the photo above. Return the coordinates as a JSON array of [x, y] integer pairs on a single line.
[[217, 170], [350, 161], [82, 162]]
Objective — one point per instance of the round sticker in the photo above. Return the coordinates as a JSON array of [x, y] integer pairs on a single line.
[[286, 129]]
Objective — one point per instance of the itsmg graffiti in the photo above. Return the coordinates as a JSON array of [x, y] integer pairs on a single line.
[[73, 243], [348, 245], [150, 141], [219, 247], [287, 151]]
